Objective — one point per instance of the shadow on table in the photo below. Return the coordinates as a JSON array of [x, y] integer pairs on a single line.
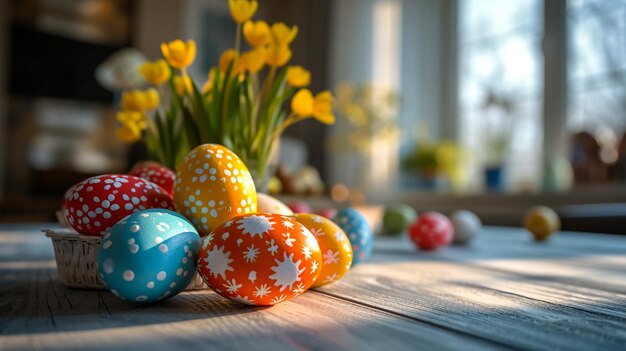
[[97, 318], [23, 291], [35, 306]]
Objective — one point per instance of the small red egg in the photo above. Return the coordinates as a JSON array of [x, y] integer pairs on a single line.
[[158, 174], [431, 230], [300, 207], [260, 259], [94, 205], [329, 212]]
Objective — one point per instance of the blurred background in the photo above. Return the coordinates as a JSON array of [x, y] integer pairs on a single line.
[[486, 105]]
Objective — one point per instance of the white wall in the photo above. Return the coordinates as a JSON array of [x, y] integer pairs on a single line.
[[356, 56], [422, 68], [350, 60]]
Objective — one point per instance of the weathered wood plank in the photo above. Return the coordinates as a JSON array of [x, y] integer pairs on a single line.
[[505, 285], [504, 290], [37, 312], [482, 304], [68, 319], [600, 265]]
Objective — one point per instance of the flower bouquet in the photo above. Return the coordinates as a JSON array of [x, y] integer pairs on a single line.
[[242, 105]]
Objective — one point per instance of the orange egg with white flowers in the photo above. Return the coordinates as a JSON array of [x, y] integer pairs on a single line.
[[260, 259], [212, 186]]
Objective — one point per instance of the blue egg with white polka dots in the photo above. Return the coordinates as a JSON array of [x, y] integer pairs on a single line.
[[149, 255], [354, 224]]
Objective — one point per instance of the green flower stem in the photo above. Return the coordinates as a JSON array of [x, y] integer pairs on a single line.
[[290, 120], [255, 103], [238, 38], [269, 80], [225, 100]]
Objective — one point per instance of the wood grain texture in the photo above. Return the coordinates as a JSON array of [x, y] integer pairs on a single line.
[[37, 312], [502, 292], [563, 294]]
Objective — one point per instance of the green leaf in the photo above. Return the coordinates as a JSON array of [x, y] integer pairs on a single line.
[[191, 129], [202, 114], [165, 143], [214, 105], [154, 150]]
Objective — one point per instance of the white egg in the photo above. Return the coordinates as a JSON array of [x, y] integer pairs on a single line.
[[269, 204], [467, 225]]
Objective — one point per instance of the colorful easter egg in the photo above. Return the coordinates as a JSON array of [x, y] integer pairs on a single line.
[[260, 259], [212, 186], [158, 174], [300, 207], [149, 256], [542, 221], [92, 206], [431, 230], [334, 244], [397, 218], [269, 204], [466, 225], [359, 232]]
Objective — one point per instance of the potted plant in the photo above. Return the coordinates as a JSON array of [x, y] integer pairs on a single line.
[[249, 98]]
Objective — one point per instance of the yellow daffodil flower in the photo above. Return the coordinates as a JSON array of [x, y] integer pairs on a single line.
[[323, 107], [182, 84], [226, 58], [254, 60], [302, 103], [133, 100], [128, 133], [282, 34], [256, 33], [242, 10], [129, 117], [179, 54], [151, 99], [157, 72], [138, 100], [298, 76], [278, 55], [208, 86]]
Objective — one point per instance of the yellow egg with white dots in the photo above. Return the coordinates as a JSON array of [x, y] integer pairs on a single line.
[[335, 246], [212, 186]]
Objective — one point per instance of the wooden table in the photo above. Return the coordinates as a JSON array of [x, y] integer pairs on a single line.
[[502, 292]]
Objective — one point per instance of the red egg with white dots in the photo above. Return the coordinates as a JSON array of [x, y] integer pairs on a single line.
[[300, 207], [94, 205], [431, 230], [158, 174], [260, 259]]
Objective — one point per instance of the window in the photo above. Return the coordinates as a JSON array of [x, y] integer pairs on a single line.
[[501, 86], [597, 71]]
